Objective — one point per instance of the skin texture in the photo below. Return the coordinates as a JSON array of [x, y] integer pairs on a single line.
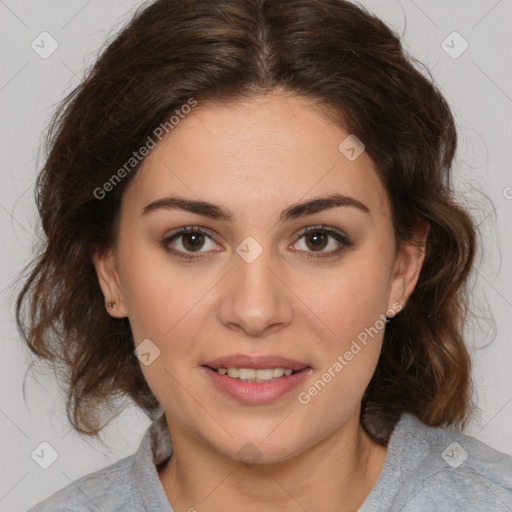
[[257, 158]]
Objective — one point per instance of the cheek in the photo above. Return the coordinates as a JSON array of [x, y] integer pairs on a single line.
[[349, 306], [165, 306], [158, 299], [350, 298]]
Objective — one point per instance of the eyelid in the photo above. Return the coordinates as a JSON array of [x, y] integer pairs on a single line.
[[335, 233], [338, 235], [177, 233], [326, 229]]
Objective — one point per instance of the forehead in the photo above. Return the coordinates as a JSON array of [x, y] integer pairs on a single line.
[[271, 150]]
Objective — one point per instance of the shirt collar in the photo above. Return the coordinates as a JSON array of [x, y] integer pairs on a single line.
[[160, 441], [154, 450]]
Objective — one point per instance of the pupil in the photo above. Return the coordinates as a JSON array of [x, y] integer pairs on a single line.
[[193, 240], [318, 237], [197, 239]]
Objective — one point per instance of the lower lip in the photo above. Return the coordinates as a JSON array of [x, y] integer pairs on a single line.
[[256, 392]]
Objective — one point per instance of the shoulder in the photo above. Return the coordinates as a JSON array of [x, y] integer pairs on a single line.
[[442, 469], [130, 484], [109, 489]]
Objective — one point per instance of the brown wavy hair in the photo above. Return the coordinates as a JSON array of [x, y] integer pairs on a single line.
[[329, 51]]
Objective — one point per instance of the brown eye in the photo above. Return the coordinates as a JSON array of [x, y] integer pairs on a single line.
[[183, 243], [317, 240], [192, 241]]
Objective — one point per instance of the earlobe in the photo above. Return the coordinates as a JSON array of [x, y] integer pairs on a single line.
[[108, 279], [408, 264]]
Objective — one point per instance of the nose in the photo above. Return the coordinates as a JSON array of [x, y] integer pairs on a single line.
[[255, 297]]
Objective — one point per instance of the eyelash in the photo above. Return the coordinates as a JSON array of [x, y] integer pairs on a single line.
[[337, 235]]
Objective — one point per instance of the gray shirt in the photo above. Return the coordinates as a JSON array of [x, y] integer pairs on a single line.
[[426, 469]]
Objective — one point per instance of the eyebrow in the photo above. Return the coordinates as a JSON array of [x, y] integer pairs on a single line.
[[217, 212]]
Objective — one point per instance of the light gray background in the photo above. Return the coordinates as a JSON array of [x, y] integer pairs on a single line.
[[477, 84]]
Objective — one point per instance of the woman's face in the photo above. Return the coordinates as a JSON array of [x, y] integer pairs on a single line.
[[247, 287]]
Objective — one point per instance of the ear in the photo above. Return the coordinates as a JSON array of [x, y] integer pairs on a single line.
[[108, 278], [408, 265]]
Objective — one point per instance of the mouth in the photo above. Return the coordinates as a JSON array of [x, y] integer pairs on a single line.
[[256, 374], [256, 379]]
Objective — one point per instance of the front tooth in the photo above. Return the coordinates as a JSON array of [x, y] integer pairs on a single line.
[[265, 374], [278, 372], [233, 373], [250, 374], [246, 373]]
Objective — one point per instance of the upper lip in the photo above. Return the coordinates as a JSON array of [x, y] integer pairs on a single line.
[[255, 362]]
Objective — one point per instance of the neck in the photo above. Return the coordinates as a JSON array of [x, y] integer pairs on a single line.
[[336, 474]]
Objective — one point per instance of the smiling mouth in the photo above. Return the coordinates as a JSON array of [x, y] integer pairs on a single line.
[[263, 375]]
